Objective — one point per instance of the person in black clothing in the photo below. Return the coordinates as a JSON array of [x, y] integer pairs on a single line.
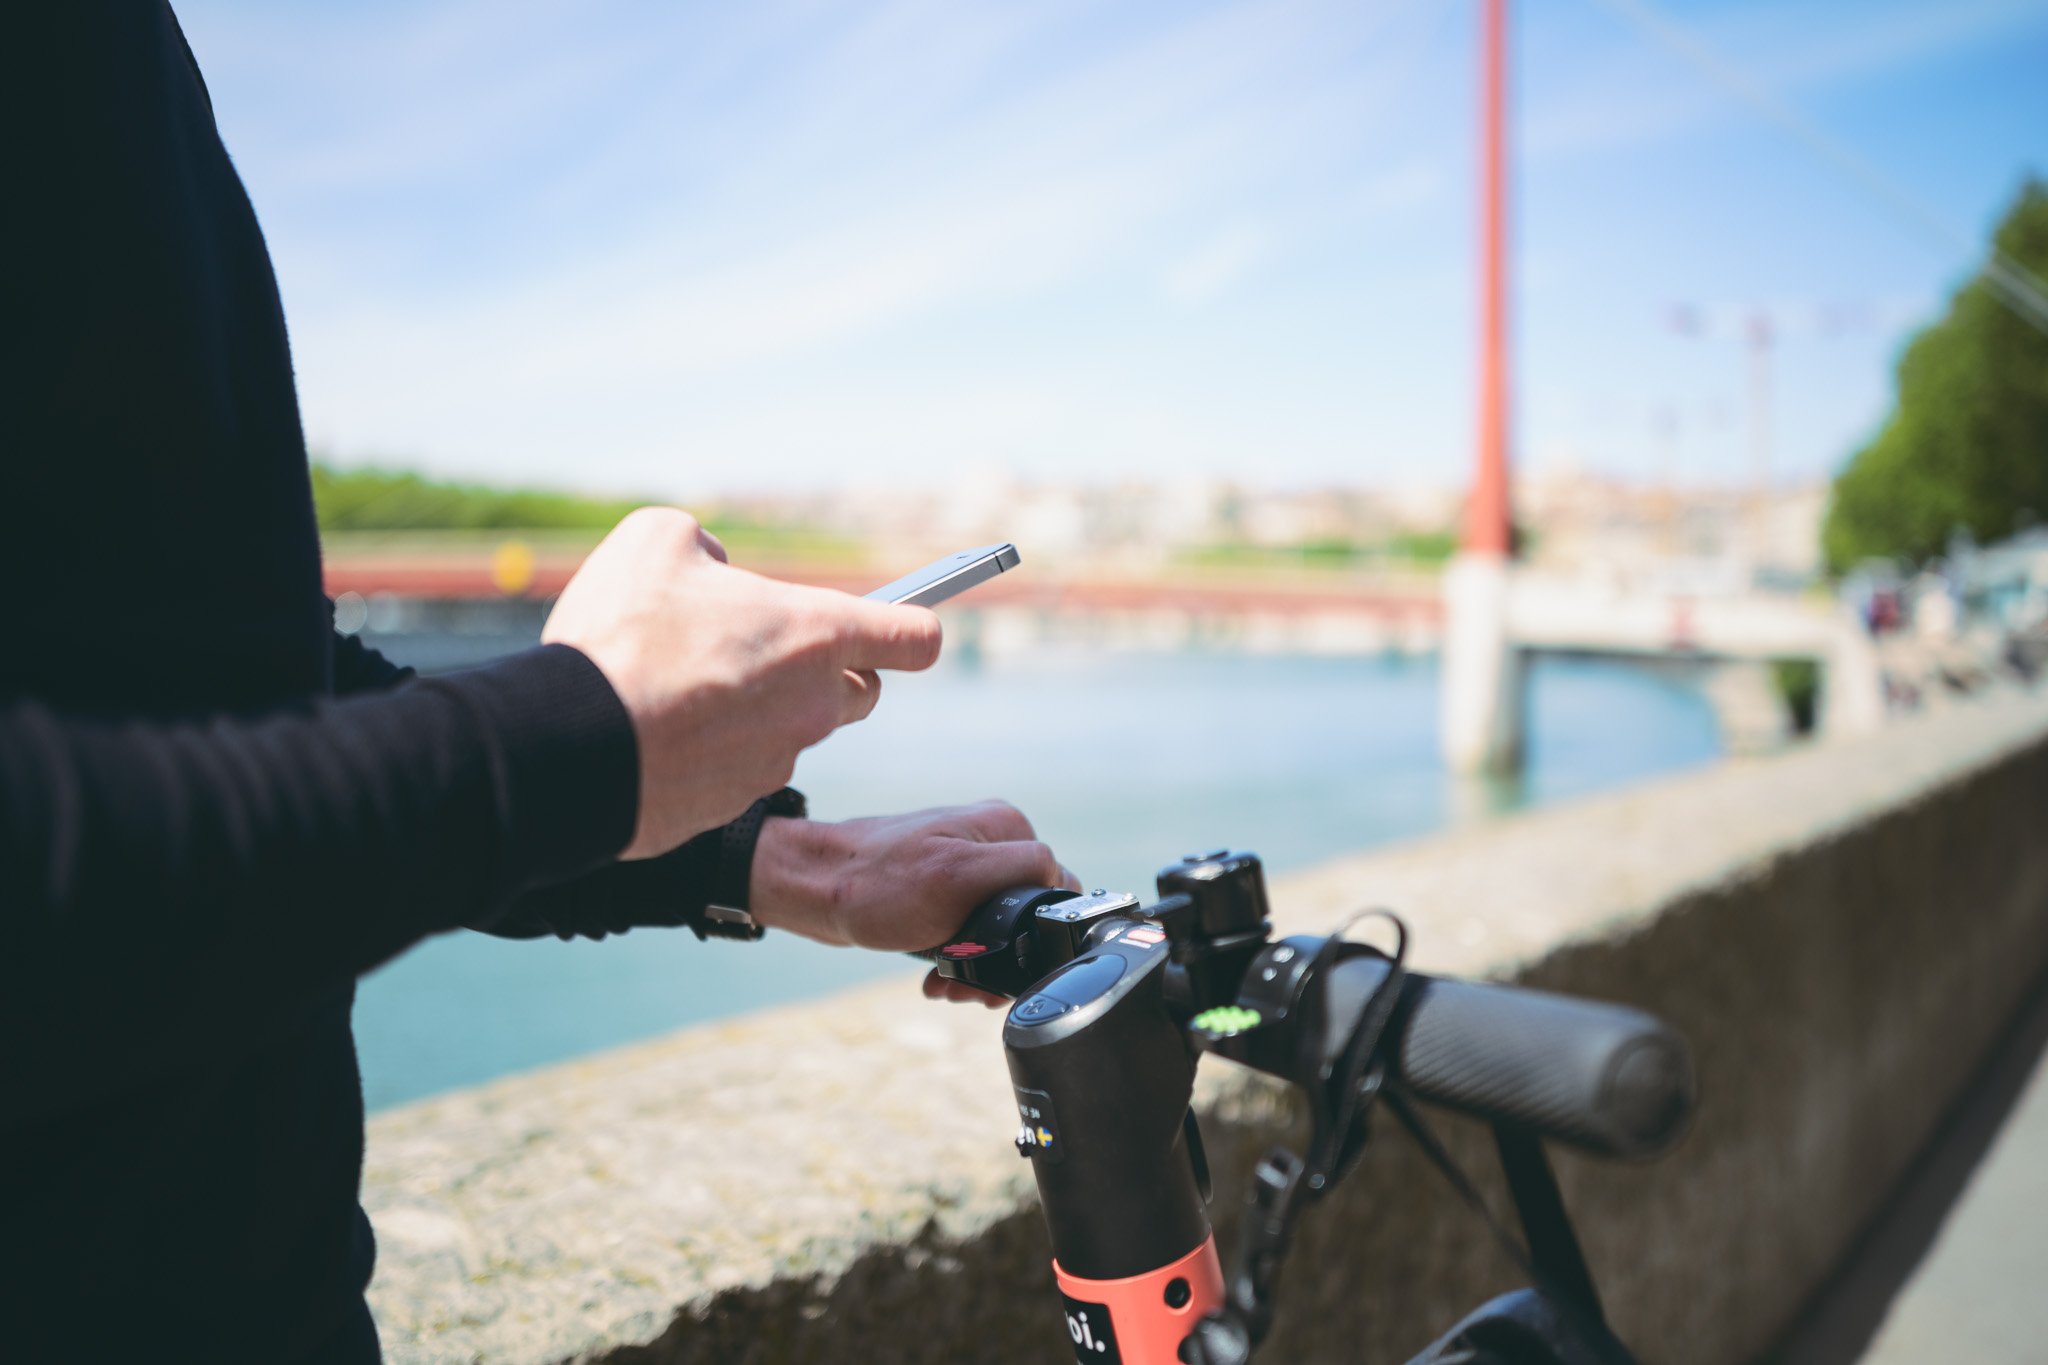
[[215, 813]]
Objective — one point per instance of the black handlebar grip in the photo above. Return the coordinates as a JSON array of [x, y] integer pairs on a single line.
[[1604, 1077]]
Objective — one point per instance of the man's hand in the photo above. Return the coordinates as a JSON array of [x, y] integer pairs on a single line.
[[897, 882], [728, 676]]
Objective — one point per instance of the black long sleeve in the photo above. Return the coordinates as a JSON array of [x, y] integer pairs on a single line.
[[663, 892], [248, 864]]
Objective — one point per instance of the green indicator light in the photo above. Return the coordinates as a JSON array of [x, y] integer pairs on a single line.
[[1225, 1020]]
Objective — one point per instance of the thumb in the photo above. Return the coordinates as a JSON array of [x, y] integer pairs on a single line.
[[878, 635]]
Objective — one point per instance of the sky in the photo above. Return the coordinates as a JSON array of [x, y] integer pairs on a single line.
[[686, 249]]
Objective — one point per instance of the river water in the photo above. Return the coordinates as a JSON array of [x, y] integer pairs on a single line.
[[1124, 761]]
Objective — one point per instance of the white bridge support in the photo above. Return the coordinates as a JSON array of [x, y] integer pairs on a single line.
[[1579, 614], [1496, 613], [1483, 701]]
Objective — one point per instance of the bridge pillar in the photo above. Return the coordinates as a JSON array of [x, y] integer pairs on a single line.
[[1481, 682], [1482, 705]]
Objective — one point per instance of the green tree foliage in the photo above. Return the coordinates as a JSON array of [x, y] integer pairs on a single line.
[[390, 500], [1966, 446], [393, 500]]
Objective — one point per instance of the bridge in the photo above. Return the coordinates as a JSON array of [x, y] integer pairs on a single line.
[[1583, 614], [1497, 610], [1403, 600], [1312, 610]]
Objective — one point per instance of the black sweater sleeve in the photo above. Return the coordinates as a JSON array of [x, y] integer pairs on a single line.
[[204, 877], [666, 892]]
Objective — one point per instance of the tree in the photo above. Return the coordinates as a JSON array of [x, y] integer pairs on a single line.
[[1966, 445], [388, 500]]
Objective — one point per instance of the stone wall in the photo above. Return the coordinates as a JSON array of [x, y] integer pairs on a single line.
[[1840, 930]]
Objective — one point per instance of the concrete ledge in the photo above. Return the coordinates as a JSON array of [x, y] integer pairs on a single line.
[[1840, 930]]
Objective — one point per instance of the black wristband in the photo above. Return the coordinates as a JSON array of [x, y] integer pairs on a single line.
[[727, 913]]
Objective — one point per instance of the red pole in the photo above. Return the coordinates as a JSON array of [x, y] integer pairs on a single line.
[[1488, 528]]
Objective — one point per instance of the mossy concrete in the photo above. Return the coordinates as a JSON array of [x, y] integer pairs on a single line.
[[1840, 930]]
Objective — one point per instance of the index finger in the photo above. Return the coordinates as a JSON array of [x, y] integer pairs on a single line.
[[878, 635]]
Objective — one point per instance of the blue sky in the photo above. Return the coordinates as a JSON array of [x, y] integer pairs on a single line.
[[687, 248]]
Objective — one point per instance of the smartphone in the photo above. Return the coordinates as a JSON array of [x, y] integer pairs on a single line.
[[948, 577]]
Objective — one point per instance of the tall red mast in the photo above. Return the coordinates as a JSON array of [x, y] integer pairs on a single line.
[[1488, 520]]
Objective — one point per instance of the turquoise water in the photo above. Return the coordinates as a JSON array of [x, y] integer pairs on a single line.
[[1123, 761]]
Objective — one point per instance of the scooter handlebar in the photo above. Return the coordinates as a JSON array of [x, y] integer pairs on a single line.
[[1600, 1076]]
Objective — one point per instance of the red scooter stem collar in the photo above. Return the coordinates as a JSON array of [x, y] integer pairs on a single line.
[[1141, 1319]]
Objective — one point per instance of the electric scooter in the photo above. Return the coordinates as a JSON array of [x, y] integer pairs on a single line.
[[1115, 1004]]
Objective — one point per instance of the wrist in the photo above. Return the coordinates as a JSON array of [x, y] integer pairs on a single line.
[[795, 876]]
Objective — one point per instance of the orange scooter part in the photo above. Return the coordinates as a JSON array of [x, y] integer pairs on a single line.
[[1145, 1326]]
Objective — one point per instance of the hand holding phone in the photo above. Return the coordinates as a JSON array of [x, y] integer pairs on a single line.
[[948, 577]]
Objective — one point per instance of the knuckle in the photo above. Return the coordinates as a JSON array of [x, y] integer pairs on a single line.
[[953, 869], [1006, 821], [659, 520], [668, 531]]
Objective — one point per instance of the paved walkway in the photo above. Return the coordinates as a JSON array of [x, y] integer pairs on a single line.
[[1981, 1294]]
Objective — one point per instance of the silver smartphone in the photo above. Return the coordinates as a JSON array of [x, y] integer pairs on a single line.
[[948, 577]]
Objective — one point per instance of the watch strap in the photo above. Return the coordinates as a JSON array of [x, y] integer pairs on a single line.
[[727, 912]]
